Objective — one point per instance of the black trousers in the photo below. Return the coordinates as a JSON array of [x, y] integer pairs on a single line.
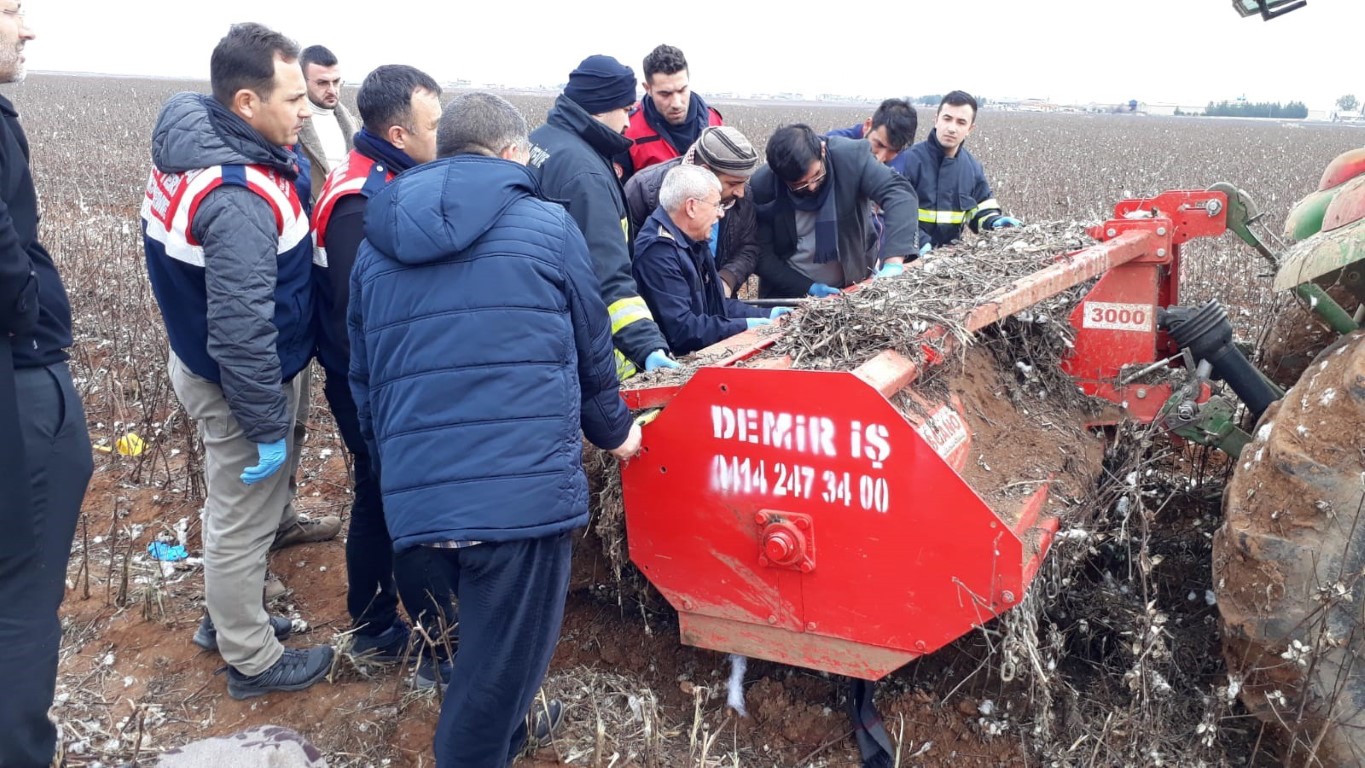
[[33, 581], [371, 596], [511, 609]]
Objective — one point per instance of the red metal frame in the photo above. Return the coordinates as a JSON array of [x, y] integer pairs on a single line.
[[798, 516]]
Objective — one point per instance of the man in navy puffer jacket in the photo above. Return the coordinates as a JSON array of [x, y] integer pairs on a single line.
[[480, 350]]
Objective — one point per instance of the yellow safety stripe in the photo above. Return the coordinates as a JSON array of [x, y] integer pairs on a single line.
[[984, 205], [941, 217], [624, 367], [631, 309]]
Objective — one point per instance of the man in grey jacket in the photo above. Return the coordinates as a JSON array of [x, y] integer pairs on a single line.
[[229, 253]]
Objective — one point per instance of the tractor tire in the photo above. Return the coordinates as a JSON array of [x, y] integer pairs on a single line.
[[1296, 336], [1288, 561]]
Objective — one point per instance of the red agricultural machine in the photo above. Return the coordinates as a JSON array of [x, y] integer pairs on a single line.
[[798, 516]]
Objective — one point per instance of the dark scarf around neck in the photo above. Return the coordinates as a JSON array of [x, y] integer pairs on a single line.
[[381, 151], [826, 213]]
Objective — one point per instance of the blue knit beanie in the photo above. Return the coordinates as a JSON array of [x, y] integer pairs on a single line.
[[601, 84]]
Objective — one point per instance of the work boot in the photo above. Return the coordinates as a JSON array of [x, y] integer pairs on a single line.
[[297, 669], [206, 636], [387, 647], [305, 530]]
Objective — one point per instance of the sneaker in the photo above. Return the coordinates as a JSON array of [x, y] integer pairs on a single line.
[[307, 529], [387, 647], [424, 679], [297, 669], [207, 635], [274, 587], [542, 722]]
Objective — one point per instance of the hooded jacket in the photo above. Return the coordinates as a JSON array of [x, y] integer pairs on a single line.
[[571, 157], [952, 191], [678, 278], [229, 254], [479, 350], [857, 178], [737, 245]]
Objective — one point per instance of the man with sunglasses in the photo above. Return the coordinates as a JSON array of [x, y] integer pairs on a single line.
[[326, 138], [814, 204]]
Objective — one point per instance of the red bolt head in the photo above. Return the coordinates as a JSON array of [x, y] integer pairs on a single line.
[[772, 619], [761, 518], [802, 523], [762, 560], [806, 567], [779, 545]]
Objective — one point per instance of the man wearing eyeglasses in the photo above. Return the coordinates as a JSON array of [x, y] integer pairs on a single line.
[[675, 269], [813, 198], [45, 461], [327, 138], [734, 241]]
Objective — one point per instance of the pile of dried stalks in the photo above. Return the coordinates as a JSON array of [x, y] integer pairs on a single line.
[[842, 332]]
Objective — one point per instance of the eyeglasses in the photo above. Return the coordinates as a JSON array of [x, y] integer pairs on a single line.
[[17, 13], [808, 183], [718, 205]]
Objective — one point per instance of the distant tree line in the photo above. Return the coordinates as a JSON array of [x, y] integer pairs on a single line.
[[1294, 110]]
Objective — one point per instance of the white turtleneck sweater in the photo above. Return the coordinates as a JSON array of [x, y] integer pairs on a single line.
[[329, 133]]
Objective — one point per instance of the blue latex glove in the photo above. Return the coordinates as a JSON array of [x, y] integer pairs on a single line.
[[271, 457], [891, 270], [820, 290], [660, 359], [925, 249], [778, 312], [1001, 222], [756, 322]]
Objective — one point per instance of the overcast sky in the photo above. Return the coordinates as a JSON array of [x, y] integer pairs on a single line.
[[1160, 51]]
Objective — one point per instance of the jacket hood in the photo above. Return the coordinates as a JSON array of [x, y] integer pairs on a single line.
[[439, 209], [193, 131], [566, 114]]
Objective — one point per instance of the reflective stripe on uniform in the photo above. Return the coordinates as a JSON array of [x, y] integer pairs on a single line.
[[985, 205], [941, 217], [629, 310], [624, 367]]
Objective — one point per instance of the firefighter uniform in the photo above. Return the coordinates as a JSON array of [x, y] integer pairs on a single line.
[[952, 191]]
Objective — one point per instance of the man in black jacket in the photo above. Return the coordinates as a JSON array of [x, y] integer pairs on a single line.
[[45, 461], [571, 155], [400, 109], [734, 240], [814, 204]]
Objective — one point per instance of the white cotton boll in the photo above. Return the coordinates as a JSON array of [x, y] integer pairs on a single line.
[[734, 696]]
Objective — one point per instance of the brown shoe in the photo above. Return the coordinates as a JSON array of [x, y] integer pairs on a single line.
[[307, 529]]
